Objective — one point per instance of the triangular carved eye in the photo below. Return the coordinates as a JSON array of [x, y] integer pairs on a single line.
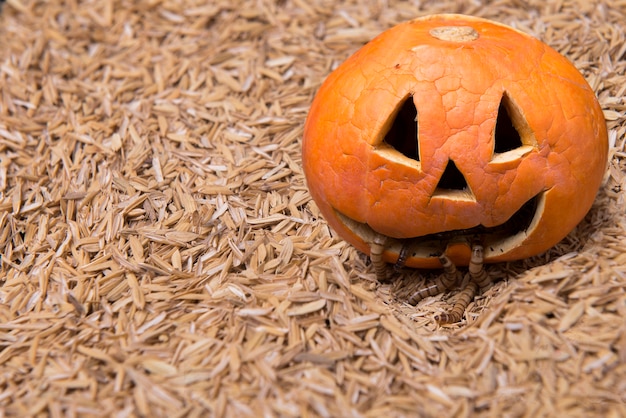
[[402, 134], [512, 136], [506, 136]]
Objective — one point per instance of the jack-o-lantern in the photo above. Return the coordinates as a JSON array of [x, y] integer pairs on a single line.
[[448, 130]]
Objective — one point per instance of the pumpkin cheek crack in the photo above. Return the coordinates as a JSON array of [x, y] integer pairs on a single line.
[[496, 240]]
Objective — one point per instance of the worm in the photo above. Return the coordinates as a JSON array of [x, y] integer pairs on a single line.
[[377, 246], [444, 282], [476, 268], [404, 253], [479, 279], [463, 299]]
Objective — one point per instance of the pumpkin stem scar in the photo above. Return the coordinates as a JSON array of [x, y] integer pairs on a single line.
[[454, 33]]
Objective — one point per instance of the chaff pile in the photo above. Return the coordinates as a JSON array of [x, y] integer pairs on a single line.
[[161, 255]]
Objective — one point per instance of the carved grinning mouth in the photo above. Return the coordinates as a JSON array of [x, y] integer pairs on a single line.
[[517, 223], [496, 240]]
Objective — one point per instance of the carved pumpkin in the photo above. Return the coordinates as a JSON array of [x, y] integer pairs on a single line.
[[447, 128]]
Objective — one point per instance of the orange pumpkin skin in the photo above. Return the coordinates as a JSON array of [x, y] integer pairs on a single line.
[[457, 83]]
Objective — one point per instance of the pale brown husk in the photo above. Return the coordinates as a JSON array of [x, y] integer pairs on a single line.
[[161, 255]]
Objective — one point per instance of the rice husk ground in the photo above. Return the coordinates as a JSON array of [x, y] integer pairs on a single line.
[[161, 255]]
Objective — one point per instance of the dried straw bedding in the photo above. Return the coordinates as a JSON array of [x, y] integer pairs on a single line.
[[161, 255]]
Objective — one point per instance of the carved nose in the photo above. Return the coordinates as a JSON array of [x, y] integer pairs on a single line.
[[451, 179]]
